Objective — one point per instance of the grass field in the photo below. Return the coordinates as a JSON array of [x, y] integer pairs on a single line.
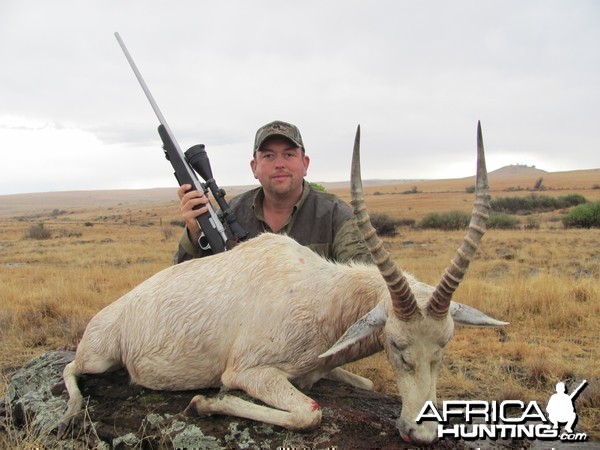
[[545, 282]]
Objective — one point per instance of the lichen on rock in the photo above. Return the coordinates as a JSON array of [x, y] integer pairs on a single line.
[[121, 415]]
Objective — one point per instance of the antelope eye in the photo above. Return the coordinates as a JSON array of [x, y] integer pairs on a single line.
[[396, 346], [408, 366]]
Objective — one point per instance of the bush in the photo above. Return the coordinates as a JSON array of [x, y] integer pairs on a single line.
[[384, 224], [405, 222], [38, 232], [413, 190], [57, 212], [535, 203], [453, 220], [539, 185], [567, 201], [177, 223], [583, 216], [502, 221], [317, 186]]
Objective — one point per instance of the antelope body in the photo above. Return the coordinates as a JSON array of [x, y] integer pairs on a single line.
[[275, 318]]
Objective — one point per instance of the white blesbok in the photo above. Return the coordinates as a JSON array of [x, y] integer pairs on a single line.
[[275, 317]]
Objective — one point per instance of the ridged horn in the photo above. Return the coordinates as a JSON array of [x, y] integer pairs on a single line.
[[439, 302], [403, 300]]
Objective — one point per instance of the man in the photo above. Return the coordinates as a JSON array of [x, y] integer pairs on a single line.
[[284, 203]]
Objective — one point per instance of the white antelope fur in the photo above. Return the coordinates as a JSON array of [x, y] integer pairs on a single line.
[[257, 318]]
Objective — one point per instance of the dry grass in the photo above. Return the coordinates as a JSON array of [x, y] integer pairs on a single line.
[[51, 288], [545, 282]]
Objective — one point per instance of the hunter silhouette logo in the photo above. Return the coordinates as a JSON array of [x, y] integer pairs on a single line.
[[509, 419], [560, 406]]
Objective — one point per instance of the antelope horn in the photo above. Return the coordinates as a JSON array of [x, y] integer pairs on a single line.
[[439, 302], [403, 300]]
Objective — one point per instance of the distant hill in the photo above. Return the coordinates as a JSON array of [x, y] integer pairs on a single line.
[[505, 178], [517, 169], [16, 204]]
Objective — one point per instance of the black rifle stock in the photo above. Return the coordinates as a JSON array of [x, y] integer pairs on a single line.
[[213, 234]]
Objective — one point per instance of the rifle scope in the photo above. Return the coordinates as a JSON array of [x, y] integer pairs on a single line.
[[198, 159]]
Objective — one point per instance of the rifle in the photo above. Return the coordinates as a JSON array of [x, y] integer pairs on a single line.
[[195, 158]]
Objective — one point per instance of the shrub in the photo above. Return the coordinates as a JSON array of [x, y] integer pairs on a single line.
[[405, 222], [532, 223], [471, 189], [583, 216], [567, 201], [535, 203], [177, 223], [384, 224], [413, 190], [38, 232], [502, 221], [453, 220], [57, 212], [317, 186]]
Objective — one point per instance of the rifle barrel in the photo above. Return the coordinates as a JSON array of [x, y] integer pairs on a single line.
[[140, 79]]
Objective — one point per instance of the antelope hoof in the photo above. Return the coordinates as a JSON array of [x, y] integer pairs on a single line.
[[199, 405]]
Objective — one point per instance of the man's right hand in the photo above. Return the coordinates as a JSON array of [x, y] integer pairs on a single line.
[[187, 201]]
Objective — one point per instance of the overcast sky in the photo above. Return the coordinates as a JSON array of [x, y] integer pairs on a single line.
[[417, 76]]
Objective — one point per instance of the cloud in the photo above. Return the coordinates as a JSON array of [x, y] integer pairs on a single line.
[[416, 76]]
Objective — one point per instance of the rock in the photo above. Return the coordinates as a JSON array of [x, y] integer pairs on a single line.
[[120, 415]]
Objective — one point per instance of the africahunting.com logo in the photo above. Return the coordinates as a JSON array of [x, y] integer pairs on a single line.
[[509, 419]]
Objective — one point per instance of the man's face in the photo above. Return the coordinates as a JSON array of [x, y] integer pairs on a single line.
[[280, 166]]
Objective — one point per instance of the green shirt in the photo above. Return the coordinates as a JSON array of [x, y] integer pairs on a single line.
[[320, 221]]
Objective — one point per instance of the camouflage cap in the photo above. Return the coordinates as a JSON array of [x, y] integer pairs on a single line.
[[278, 128]]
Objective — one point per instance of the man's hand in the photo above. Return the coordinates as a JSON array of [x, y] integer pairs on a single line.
[[187, 201]]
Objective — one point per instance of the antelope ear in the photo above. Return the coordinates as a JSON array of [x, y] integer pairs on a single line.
[[465, 315], [368, 324]]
